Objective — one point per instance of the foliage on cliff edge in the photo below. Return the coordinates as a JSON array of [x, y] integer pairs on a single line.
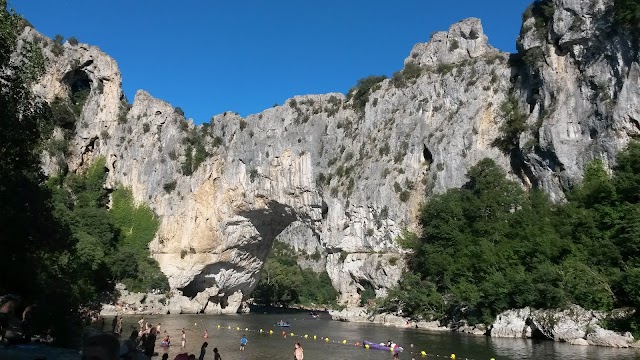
[[490, 246]]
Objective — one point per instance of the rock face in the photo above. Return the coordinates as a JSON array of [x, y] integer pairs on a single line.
[[574, 325], [332, 178]]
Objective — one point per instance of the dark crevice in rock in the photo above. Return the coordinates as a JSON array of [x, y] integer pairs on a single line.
[[325, 209], [635, 123], [427, 156], [86, 63]]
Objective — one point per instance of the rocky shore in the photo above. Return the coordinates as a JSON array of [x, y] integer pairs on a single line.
[[135, 303], [573, 325]]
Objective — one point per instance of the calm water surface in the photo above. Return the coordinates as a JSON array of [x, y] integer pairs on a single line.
[[266, 347]]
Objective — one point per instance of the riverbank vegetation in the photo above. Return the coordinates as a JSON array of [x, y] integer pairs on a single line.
[[285, 283], [60, 244], [491, 246]]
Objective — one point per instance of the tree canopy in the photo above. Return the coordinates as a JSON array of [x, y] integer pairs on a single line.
[[491, 246]]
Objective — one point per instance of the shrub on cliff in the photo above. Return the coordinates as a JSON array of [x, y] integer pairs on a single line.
[[364, 87]]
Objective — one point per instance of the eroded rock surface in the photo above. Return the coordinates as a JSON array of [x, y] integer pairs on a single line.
[[334, 179]]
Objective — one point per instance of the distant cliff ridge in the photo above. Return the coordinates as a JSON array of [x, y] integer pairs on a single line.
[[344, 176]]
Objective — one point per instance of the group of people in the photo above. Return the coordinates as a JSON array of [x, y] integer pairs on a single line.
[[105, 346], [143, 340]]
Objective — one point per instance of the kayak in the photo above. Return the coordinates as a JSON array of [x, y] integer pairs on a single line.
[[377, 346], [286, 324]]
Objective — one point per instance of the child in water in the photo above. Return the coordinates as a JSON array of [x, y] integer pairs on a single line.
[[243, 342]]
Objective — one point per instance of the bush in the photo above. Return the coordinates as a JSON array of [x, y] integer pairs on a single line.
[[407, 75], [514, 124], [72, 41], [359, 94]]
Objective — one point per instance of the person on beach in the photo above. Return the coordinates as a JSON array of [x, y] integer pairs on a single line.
[[27, 321], [128, 348], [150, 343], [216, 355], [298, 352], [203, 350], [183, 339], [243, 342], [114, 323], [7, 309], [206, 335], [119, 326]]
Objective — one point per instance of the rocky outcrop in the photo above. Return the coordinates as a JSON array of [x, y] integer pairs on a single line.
[[574, 325], [337, 179], [512, 324]]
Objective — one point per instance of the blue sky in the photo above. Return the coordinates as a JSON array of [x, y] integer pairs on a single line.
[[211, 56]]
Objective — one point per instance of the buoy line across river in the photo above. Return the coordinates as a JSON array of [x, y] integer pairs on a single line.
[[327, 340]]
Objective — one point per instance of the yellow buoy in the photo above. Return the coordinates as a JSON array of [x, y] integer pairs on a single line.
[[314, 337], [270, 331], [344, 341], [326, 339], [246, 329], [218, 326], [423, 353], [453, 356], [291, 334], [237, 327], [305, 336], [390, 349], [366, 346], [229, 327]]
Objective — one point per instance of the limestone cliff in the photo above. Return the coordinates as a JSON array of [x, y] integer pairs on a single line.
[[343, 176]]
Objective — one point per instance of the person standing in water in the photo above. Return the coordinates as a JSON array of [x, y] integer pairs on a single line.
[[243, 342], [206, 335], [184, 338], [298, 352], [119, 326], [114, 323], [203, 350], [216, 355]]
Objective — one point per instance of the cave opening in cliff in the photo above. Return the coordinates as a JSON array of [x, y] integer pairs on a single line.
[[367, 292], [79, 86]]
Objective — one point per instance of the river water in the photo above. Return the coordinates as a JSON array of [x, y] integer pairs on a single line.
[[265, 346]]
